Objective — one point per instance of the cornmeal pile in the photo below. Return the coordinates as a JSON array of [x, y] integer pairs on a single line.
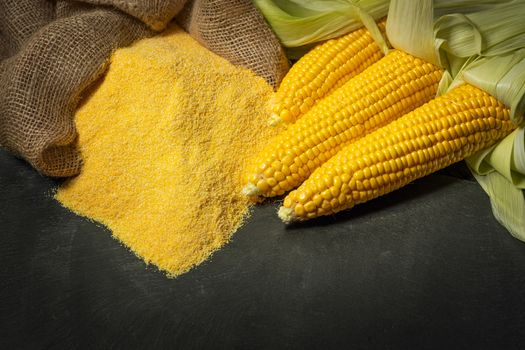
[[164, 139]]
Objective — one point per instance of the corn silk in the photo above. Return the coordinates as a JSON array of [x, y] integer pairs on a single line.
[[164, 138]]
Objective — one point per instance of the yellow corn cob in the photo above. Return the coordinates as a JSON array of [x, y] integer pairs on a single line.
[[385, 91], [322, 70], [441, 132]]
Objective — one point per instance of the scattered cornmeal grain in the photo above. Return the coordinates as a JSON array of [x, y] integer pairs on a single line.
[[164, 139]]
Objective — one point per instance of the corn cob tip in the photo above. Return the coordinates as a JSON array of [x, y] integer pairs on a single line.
[[275, 120], [287, 215], [250, 190]]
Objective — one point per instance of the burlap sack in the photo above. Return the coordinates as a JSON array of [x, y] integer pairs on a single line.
[[50, 51], [237, 31]]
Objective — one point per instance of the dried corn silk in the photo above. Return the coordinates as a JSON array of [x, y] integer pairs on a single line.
[[164, 139]]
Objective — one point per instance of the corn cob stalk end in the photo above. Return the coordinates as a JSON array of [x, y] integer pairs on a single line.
[[250, 190], [287, 215], [274, 120]]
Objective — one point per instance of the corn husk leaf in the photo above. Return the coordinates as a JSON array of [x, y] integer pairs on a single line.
[[486, 49], [460, 37], [507, 157], [498, 68], [302, 22], [444, 7], [503, 77], [410, 28], [507, 201], [500, 170], [418, 27]]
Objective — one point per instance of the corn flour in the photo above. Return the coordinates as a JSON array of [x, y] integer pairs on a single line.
[[164, 139]]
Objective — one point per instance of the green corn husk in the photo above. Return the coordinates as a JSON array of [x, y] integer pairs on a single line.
[[498, 68], [436, 29], [500, 170], [486, 49], [303, 22]]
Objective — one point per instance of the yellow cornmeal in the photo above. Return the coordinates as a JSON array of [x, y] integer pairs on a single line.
[[164, 139]]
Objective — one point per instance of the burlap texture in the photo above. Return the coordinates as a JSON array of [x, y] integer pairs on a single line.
[[51, 51], [156, 14], [237, 31]]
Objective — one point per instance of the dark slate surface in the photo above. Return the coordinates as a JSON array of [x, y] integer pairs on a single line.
[[426, 267]]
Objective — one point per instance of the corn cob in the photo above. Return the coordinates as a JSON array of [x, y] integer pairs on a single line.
[[389, 88], [322, 70], [441, 132]]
